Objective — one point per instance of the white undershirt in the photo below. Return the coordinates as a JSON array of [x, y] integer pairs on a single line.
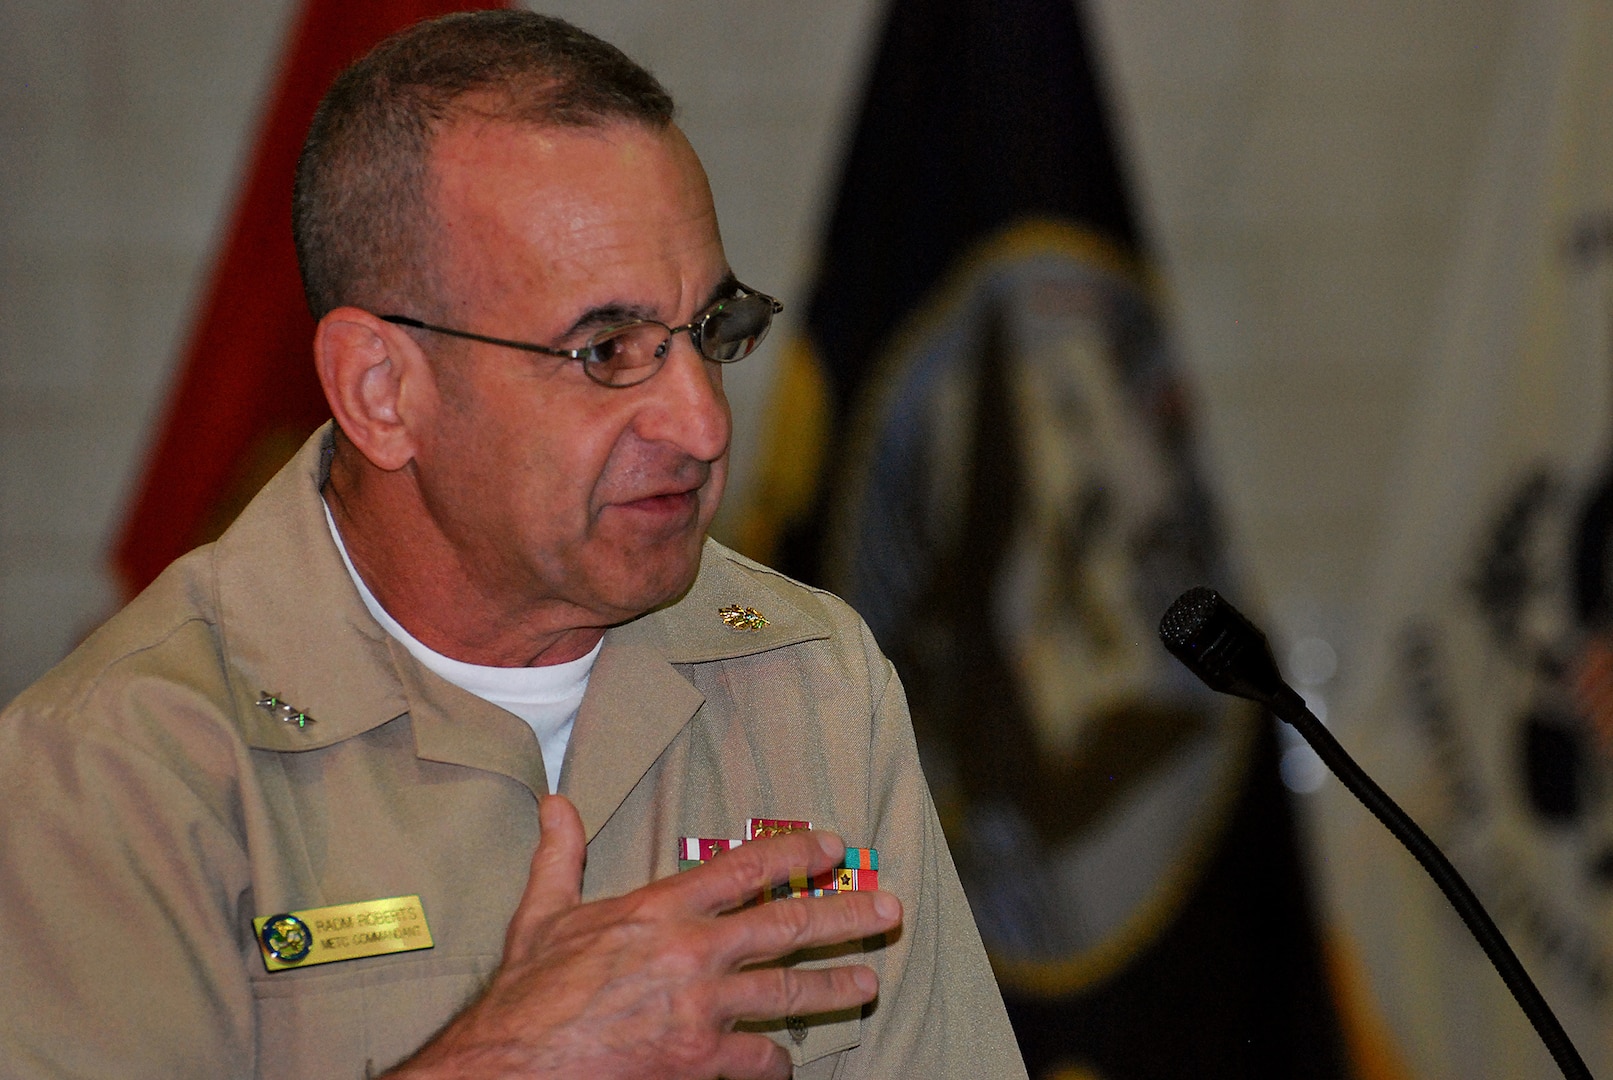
[[546, 697]]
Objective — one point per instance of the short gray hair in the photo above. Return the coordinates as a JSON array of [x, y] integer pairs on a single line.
[[361, 208]]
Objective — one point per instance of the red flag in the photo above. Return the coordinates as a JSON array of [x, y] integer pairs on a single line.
[[246, 394]]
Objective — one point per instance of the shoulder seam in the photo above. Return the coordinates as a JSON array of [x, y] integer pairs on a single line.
[[747, 563], [89, 684]]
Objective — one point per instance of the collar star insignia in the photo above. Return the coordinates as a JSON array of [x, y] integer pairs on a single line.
[[286, 711], [742, 618]]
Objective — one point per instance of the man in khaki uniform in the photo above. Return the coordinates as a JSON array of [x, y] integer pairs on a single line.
[[288, 814]]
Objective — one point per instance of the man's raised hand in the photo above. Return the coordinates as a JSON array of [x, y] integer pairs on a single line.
[[650, 984]]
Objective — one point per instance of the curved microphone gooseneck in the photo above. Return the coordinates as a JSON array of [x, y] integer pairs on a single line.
[[1231, 655]]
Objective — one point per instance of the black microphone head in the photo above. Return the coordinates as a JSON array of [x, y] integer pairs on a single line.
[[1222, 647]]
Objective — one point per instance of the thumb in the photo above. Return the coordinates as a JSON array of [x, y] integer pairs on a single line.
[[554, 885]]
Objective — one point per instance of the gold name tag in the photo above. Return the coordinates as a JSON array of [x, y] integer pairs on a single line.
[[295, 939]]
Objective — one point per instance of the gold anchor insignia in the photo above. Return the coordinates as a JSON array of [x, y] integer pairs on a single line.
[[287, 712], [742, 618]]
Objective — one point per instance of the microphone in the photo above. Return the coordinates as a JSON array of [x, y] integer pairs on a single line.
[[1225, 650], [1230, 654]]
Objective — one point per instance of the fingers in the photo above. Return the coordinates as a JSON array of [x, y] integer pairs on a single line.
[[768, 993], [745, 1055], [769, 931], [555, 882], [737, 876]]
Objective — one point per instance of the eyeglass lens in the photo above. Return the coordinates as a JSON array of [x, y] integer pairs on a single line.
[[733, 329], [730, 331]]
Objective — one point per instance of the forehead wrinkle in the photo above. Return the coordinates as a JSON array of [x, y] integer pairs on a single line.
[[599, 233], [572, 233], [617, 313]]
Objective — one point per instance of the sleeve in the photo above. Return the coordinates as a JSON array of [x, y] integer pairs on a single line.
[[122, 877], [939, 1013]]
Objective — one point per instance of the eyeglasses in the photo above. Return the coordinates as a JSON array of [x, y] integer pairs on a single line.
[[629, 353]]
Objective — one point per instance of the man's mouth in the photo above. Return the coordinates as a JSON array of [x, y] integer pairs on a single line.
[[666, 505], [670, 498]]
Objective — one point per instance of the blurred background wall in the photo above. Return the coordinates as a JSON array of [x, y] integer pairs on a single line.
[[1300, 168]]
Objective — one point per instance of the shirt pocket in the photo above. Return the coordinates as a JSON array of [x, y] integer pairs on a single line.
[[358, 1018], [813, 1038]]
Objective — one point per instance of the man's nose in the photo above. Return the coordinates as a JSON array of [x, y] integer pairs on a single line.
[[686, 404]]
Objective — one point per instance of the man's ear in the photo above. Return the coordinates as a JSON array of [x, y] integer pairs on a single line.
[[372, 372]]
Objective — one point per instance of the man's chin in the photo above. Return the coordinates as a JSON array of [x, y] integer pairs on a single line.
[[656, 581]]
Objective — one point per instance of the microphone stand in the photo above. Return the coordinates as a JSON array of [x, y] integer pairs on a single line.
[[1231, 655]]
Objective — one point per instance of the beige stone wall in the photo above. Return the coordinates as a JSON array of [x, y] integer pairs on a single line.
[[1301, 166], [1305, 166]]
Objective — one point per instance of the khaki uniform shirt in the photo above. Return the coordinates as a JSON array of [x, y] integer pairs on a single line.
[[150, 808]]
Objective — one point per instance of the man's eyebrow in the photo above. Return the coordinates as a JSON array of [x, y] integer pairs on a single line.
[[596, 318], [727, 287]]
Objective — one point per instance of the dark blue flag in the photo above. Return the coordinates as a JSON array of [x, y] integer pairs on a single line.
[[982, 443]]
